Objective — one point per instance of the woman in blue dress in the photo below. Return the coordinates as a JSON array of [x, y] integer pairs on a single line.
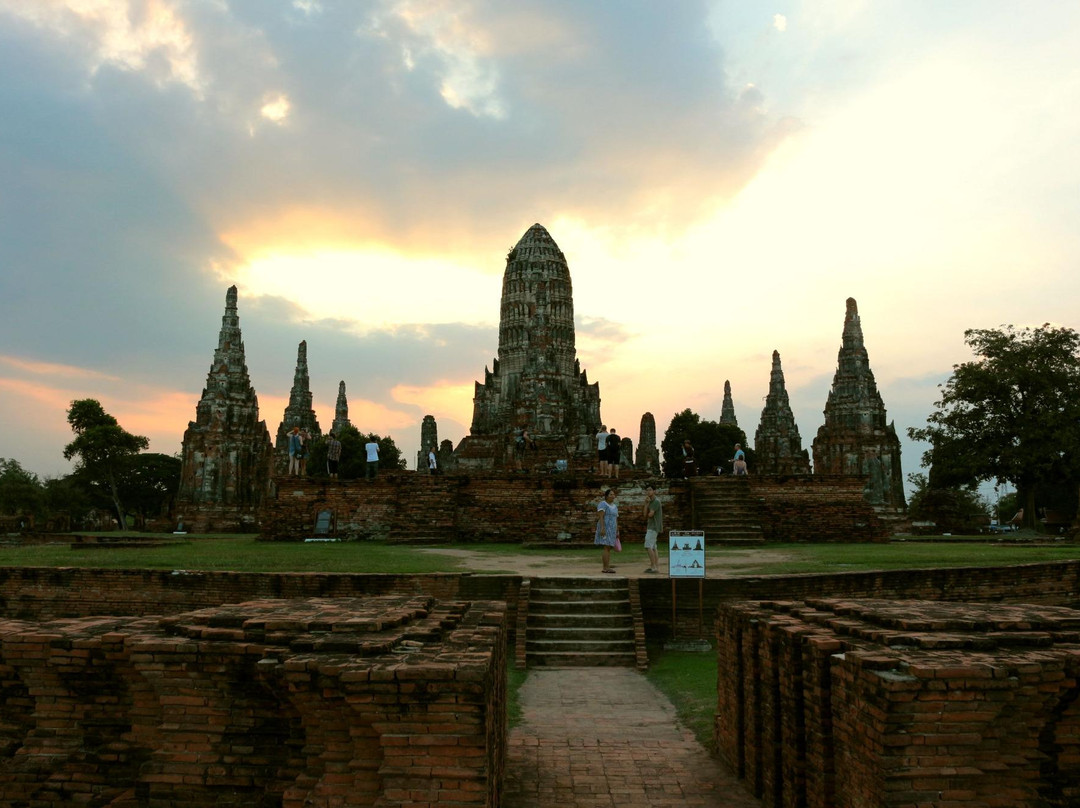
[[607, 528]]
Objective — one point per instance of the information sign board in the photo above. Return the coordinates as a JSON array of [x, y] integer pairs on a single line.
[[686, 553]]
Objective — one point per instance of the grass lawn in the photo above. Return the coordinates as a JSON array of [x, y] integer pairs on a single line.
[[245, 554], [688, 679]]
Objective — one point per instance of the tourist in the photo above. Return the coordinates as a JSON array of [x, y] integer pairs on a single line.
[[607, 529], [333, 456], [432, 461], [601, 449], [739, 460], [614, 448], [653, 513], [305, 448], [372, 449], [689, 461], [296, 451]]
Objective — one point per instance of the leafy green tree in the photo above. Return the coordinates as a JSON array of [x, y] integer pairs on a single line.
[[68, 499], [956, 509], [102, 448], [21, 492], [353, 463], [1011, 415], [713, 442], [148, 482]]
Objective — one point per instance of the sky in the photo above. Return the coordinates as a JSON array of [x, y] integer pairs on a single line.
[[721, 177]]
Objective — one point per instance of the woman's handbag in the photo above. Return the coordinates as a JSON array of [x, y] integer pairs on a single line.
[[618, 545]]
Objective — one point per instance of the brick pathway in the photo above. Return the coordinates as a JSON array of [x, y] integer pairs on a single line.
[[606, 737]]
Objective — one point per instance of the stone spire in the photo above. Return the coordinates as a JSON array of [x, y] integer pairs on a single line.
[[648, 457], [298, 412], [225, 467], [341, 411], [777, 443], [429, 436], [536, 382], [727, 412], [855, 438]]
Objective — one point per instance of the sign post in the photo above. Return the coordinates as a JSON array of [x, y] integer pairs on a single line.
[[686, 559]]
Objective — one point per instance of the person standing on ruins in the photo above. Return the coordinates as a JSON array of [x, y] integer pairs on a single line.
[[432, 461], [333, 456], [607, 529], [614, 449], [689, 461], [653, 513], [739, 460], [305, 449], [372, 449], [601, 450], [296, 450]]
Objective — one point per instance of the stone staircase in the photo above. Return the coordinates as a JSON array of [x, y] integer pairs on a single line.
[[725, 509], [580, 622]]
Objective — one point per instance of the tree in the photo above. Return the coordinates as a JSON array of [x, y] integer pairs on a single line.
[[21, 492], [956, 509], [102, 447], [1011, 415], [148, 482], [353, 463], [713, 442]]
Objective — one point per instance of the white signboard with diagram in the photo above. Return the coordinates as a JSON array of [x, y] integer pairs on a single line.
[[686, 553]]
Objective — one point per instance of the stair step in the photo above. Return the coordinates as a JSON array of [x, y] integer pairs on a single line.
[[582, 660], [576, 634], [585, 621]]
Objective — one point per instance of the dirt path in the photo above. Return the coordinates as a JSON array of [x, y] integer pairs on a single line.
[[631, 562]]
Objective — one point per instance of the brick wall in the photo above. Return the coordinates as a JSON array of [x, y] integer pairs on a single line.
[[388, 701], [816, 508], [527, 508], [849, 703]]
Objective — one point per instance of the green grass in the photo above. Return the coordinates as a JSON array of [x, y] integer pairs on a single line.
[[688, 679], [515, 679]]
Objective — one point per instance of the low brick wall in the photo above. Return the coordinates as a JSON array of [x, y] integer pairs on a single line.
[[391, 701], [851, 703], [816, 508], [496, 507]]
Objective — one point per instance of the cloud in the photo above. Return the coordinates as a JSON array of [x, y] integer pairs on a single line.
[[55, 369]]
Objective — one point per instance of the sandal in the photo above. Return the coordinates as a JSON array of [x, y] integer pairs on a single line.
[[610, 570]]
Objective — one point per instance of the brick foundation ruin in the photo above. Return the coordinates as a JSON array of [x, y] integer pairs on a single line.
[[901, 703], [386, 701]]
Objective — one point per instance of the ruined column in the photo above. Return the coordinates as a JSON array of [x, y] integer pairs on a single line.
[[298, 412], [341, 411], [727, 411], [429, 436], [777, 443], [648, 456]]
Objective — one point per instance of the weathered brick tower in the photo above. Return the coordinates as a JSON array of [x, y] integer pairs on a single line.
[[648, 457], [298, 412], [341, 411], [777, 443], [727, 410], [536, 382], [226, 450], [855, 438]]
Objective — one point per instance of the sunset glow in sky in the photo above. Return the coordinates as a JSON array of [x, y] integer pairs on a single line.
[[720, 175]]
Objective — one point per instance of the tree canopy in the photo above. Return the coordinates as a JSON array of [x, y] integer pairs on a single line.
[[1011, 415], [353, 463], [713, 442], [102, 448], [21, 492]]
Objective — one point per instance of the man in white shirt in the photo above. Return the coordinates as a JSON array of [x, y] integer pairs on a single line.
[[601, 450], [372, 449]]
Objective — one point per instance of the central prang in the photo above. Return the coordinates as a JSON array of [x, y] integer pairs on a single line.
[[536, 383]]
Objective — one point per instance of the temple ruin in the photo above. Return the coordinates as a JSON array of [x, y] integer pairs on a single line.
[[226, 451], [855, 438], [777, 443], [341, 410], [727, 409], [536, 382], [298, 411], [429, 436], [648, 456]]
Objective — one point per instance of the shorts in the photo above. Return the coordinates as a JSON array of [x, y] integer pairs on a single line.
[[650, 539], [332, 466], [601, 455], [614, 452]]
